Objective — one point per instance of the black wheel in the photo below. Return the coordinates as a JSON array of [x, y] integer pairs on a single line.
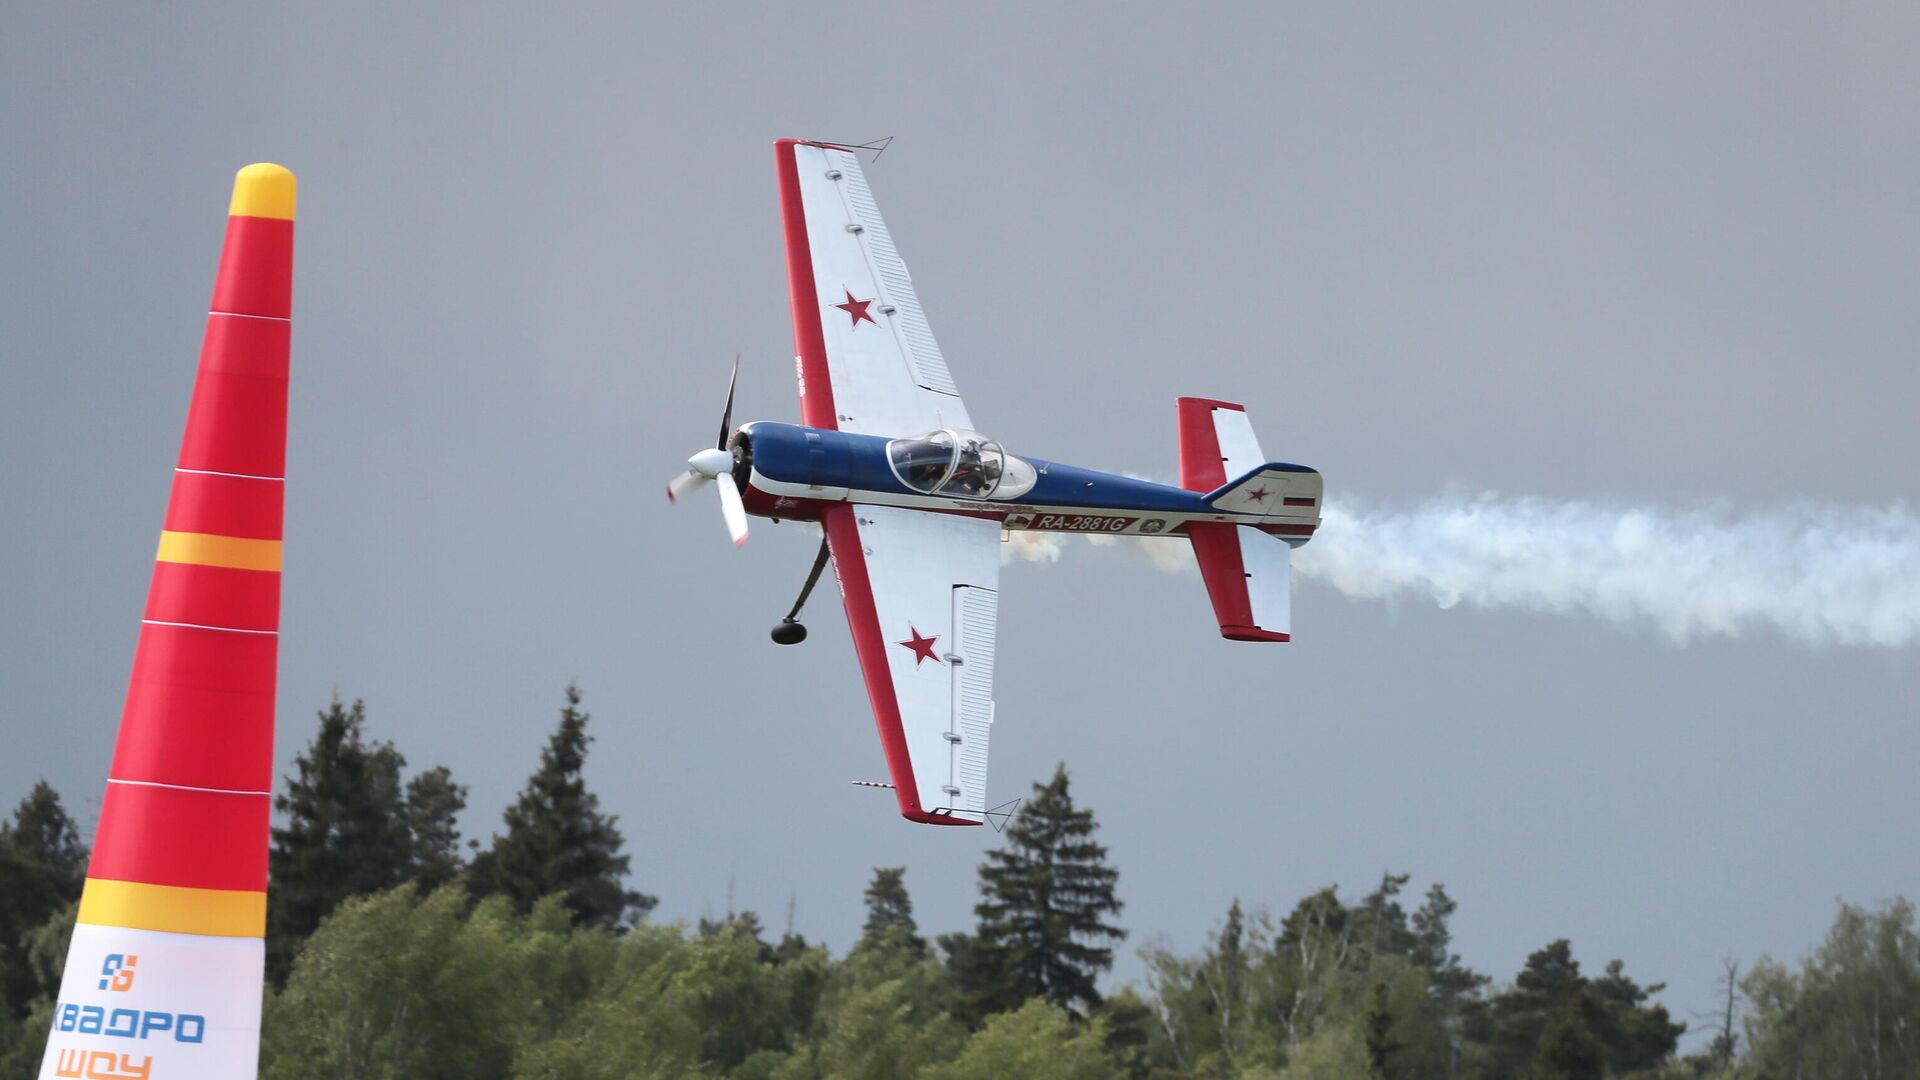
[[789, 633]]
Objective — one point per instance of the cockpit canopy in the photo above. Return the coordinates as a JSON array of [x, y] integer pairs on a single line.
[[962, 464]]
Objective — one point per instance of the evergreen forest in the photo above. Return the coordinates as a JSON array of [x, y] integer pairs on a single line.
[[395, 950]]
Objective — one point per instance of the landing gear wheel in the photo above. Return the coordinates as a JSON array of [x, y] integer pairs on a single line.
[[789, 633]]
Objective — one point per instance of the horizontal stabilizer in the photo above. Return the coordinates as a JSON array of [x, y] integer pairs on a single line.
[[1249, 576]]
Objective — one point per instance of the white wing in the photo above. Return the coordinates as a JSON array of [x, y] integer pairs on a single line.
[[857, 324], [921, 592]]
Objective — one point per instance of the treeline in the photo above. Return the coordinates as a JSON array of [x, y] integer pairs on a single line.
[[396, 951]]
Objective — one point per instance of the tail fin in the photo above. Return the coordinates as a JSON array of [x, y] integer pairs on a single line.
[[1248, 568], [1279, 492]]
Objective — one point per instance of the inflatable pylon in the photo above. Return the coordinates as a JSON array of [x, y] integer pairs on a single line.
[[164, 976]]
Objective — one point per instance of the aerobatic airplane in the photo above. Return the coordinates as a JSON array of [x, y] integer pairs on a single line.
[[914, 502]]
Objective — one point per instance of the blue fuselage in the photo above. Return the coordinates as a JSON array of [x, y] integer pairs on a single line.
[[791, 471]]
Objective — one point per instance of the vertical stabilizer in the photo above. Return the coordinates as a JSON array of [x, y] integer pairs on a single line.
[[164, 975]]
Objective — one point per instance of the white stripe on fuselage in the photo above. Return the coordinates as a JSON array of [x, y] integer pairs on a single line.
[[1031, 517]]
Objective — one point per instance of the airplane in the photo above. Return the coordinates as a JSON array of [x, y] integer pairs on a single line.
[[914, 503]]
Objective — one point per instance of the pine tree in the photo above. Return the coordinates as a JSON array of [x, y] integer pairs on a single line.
[[345, 835], [1554, 1019], [890, 913], [1382, 923], [1567, 1049], [558, 841], [1450, 983], [1046, 897], [42, 867], [434, 803], [1225, 974]]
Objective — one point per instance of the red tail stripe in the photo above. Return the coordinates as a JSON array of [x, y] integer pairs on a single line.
[[1200, 466]]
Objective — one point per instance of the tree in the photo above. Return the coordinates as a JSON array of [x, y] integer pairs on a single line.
[[44, 951], [399, 984], [682, 1007], [1037, 1042], [42, 869], [1205, 1007], [1451, 984], [1312, 954], [1379, 1031], [346, 831], [1850, 1009], [890, 924], [1726, 1042], [1611, 1012], [883, 1032], [1567, 1050], [1380, 922], [1633, 1033], [1129, 1024], [558, 841], [352, 830], [434, 803], [1046, 897], [888, 905]]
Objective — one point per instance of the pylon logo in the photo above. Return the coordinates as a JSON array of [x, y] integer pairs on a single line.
[[103, 1065], [117, 973]]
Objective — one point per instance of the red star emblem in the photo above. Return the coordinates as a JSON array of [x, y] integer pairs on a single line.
[[1259, 494], [856, 309], [922, 647]]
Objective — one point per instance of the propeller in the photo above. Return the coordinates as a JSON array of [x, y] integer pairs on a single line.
[[715, 465]]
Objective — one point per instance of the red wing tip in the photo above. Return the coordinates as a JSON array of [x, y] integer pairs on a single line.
[[1212, 403], [670, 497], [1252, 633], [740, 542], [851, 148], [921, 817]]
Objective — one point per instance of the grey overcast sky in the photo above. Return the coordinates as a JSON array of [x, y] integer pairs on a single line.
[[1667, 253]]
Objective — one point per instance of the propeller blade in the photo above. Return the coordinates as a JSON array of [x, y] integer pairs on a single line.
[[732, 508], [726, 418], [685, 484]]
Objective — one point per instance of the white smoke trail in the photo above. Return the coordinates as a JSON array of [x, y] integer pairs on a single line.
[[1820, 575], [1023, 546]]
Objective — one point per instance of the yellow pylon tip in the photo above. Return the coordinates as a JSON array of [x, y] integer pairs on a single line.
[[263, 190]]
